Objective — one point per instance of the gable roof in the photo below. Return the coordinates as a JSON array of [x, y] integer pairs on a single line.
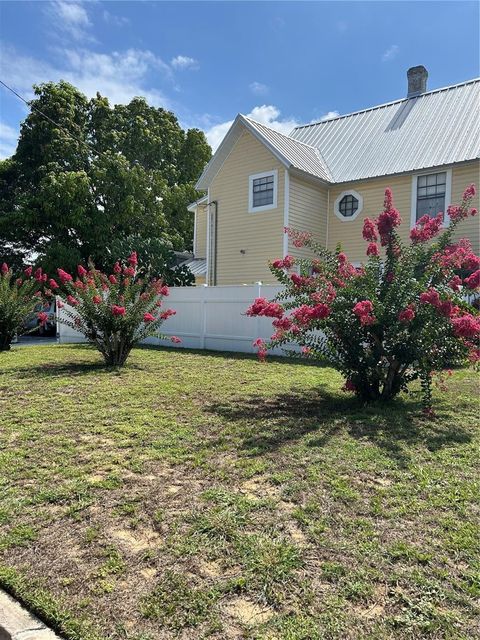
[[433, 129], [293, 154], [436, 128]]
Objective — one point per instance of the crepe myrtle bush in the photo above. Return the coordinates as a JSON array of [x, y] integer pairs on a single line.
[[20, 296], [397, 318], [113, 311]]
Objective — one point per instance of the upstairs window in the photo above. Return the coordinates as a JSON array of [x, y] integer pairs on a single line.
[[262, 191], [431, 190]]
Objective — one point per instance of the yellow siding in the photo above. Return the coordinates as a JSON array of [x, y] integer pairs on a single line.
[[349, 234], [307, 212], [200, 249], [259, 235], [462, 176]]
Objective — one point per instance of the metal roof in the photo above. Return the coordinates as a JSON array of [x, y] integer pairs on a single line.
[[296, 153], [198, 266], [436, 128]]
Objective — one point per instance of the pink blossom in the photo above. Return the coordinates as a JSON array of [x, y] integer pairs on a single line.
[[167, 313], [390, 277], [426, 228], [469, 192], [473, 281], [60, 304], [117, 268], [164, 291], [148, 317], [64, 276], [364, 311], [262, 307], [72, 301], [370, 230], [447, 308], [175, 340], [407, 315], [466, 326], [282, 323], [342, 258], [38, 275], [117, 310], [53, 284], [129, 271], [298, 238], [372, 249], [97, 299], [82, 272], [262, 349], [112, 279], [286, 263], [455, 283], [306, 350], [43, 317], [431, 296], [4, 269], [132, 259], [28, 272], [19, 282]]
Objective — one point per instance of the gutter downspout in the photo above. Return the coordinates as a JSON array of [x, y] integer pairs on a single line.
[[214, 241]]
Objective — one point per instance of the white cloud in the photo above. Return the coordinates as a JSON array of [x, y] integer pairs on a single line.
[[266, 114], [329, 115], [119, 75], [184, 62], [71, 18], [116, 21], [390, 53], [258, 88], [8, 140]]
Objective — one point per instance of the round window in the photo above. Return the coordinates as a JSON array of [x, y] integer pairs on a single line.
[[348, 205]]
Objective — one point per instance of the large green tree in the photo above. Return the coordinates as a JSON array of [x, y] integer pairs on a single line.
[[87, 175]]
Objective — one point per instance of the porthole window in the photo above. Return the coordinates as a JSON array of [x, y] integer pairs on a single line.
[[348, 205]]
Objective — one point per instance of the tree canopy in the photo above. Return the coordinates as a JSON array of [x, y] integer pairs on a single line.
[[100, 174]]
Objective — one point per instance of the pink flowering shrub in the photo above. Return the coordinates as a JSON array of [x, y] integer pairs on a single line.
[[20, 294], [395, 319], [113, 311]]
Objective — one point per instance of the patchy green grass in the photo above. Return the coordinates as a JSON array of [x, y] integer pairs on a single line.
[[201, 495]]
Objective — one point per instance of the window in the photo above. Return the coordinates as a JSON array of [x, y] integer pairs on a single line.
[[348, 205], [431, 190], [262, 191]]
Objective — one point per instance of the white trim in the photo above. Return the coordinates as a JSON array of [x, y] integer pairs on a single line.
[[286, 197], [336, 210], [195, 233], [266, 207], [448, 194], [207, 275]]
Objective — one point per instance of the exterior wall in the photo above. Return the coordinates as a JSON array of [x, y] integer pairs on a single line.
[[259, 235], [199, 280], [308, 208], [462, 176], [349, 233], [200, 248]]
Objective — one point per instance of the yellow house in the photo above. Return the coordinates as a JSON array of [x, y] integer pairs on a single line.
[[326, 177]]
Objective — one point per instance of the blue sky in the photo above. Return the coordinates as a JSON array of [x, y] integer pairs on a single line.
[[282, 62]]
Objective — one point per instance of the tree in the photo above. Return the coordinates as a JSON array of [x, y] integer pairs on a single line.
[[391, 321], [104, 173]]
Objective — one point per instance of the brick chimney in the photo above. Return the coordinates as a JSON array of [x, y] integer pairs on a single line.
[[417, 81]]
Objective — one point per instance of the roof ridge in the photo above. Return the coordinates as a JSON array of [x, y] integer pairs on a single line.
[[385, 104], [280, 133]]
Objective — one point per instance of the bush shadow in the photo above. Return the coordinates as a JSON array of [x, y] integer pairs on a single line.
[[265, 425]]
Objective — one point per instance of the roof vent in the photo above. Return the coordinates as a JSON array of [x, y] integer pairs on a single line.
[[417, 81]]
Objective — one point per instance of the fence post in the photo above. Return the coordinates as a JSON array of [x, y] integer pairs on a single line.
[[204, 317]]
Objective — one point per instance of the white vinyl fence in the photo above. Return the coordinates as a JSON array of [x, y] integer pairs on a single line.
[[208, 318]]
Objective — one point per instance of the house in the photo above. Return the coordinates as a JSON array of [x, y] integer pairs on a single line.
[[326, 177]]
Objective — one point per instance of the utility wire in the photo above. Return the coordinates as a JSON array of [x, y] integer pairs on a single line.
[[59, 126]]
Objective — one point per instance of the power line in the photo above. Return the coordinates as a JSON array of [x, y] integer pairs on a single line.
[[59, 126]]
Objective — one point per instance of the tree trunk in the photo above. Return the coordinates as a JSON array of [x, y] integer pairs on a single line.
[[5, 342]]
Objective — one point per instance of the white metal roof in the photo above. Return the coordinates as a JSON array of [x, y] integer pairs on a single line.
[[436, 128], [198, 266]]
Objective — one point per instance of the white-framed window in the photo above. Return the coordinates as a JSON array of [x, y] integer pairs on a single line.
[[262, 191], [431, 192], [348, 205]]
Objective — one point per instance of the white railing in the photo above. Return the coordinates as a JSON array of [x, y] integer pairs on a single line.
[[208, 318]]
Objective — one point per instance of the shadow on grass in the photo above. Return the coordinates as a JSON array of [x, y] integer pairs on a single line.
[[264, 425]]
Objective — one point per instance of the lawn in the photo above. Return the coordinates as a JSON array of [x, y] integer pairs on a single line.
[[201, 495]]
